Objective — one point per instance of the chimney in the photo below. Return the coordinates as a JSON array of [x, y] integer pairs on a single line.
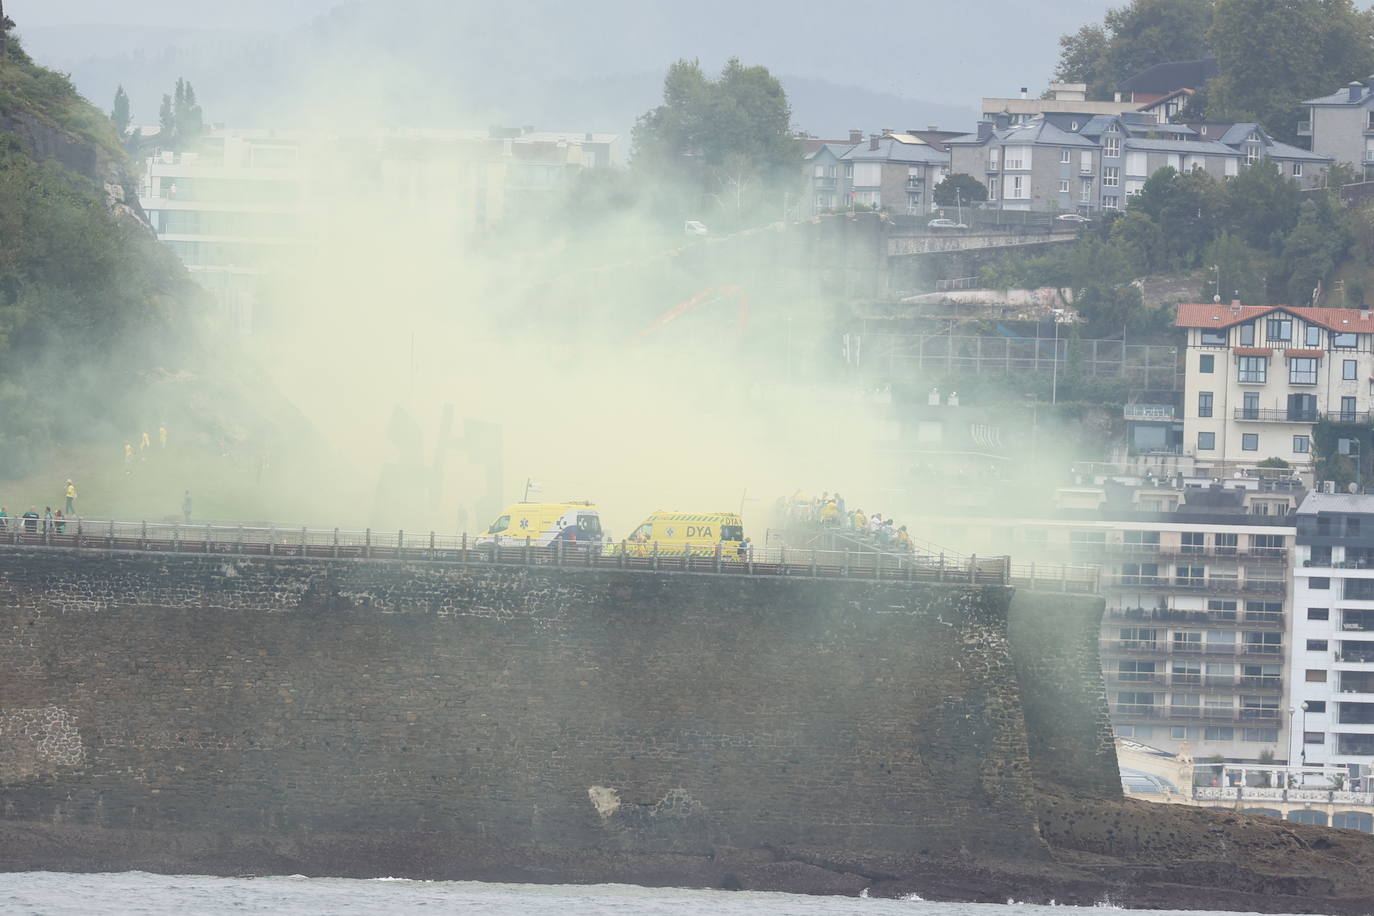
[[1364, 312], [1235, 306], [588, 138], [886, 131], [933, 128], [984, 130], [1355, 90], [1025, 93], [873, 141], [855, 135], [1001, 120]]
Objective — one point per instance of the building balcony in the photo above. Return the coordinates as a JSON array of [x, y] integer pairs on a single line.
[[1212, 586], [1251, 716], [825, 184], [1159, 648], [1268, 620], [1275, 415], [1156, 412]]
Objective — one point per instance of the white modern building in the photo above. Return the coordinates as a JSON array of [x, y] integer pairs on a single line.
[[1259, 377], [1331, 687]]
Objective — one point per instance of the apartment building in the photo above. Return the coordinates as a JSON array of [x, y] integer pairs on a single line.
[[1195, 579], [1061, 98], [1331, 696], [1085, 163], [1341, 126], [1258, 377], [891, 171], [237, 208]]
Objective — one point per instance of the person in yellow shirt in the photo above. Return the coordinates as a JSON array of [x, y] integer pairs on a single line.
[[829, 511], [70, 493], [162, 435], [860, 521], [144, 443], [903, 540]]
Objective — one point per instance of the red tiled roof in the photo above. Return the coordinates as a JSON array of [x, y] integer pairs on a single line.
[[1306, 353], [1221, 315], [1254, 351]]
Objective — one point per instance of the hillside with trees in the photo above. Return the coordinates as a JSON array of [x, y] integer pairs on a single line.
[[92, 308]]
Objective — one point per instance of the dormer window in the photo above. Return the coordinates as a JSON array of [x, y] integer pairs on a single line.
[[1213, 337], [1313, 336], [1279, 329], [1247, 335]]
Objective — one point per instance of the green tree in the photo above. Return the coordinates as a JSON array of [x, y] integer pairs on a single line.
[[1309, 48], [167, 121], [959, 188], [120, 113], [1312, 250], [1186, 208], [1137, 235], [1261, 205], [6, 24], [727, 139], [1082, 59], [1132, 38], [1234, 269]]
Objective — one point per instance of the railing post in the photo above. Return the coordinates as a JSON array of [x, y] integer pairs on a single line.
[[973, 567], [400, 542], [940, 576], [176, 537], [143, 535], [718, 553], [367, 543], [463, 546], [240, 541], [1032, 574], [655, 554], [336, 542], [624, 549], [271, 540], [558, 552], [813, 562], [109, 540], [1064, 577], [208, 535], [527, 550], [304, 542], [78, 531], [431, 545], [846, 561]]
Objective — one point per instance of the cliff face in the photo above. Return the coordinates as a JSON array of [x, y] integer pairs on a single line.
[[110, 171]]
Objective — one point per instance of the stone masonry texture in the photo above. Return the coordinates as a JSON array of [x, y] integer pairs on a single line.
[[564, 709]]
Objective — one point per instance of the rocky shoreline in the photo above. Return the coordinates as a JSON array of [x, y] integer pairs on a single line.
[[1126, 853]]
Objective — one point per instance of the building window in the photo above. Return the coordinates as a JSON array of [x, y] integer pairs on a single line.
[[992, 189], [1086, 193], [1319, 613], [1249, 442], [1345, 340], [1279, 329], [1204, 403], [1206, 363], [1247, 335], [1318, 706], [1111, 176], [1193, 542], [1348, 368], [1218, 733], [1065, 155], [1251, 153], [1320, 583], [1016, 157], [1111, 146], [1312, 738], [1315, 676], [1316, 645], [1347, 410], [1297, 170], [1063, 186], [1109, 202], [1261, 735], [1254, 369], [1206, 442], [913, 202], [1302, 445], [1213, 338], [1312, 335]]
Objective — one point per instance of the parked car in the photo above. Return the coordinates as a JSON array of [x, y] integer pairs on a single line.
[[945, 224], [1073, 218], [694, 227]]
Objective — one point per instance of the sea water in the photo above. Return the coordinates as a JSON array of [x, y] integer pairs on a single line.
[[57, 894]]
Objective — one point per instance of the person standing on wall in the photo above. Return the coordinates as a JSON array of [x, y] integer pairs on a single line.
[[70, 493]]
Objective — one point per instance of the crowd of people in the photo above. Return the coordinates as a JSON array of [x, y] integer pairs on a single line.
[[829, 511]]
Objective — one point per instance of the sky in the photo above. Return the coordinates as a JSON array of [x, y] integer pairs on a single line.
[[946, 54]]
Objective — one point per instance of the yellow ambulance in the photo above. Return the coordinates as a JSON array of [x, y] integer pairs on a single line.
[[676, 533], [544, 523]]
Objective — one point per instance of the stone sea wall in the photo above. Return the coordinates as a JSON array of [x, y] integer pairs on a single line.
[[581, 712]]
